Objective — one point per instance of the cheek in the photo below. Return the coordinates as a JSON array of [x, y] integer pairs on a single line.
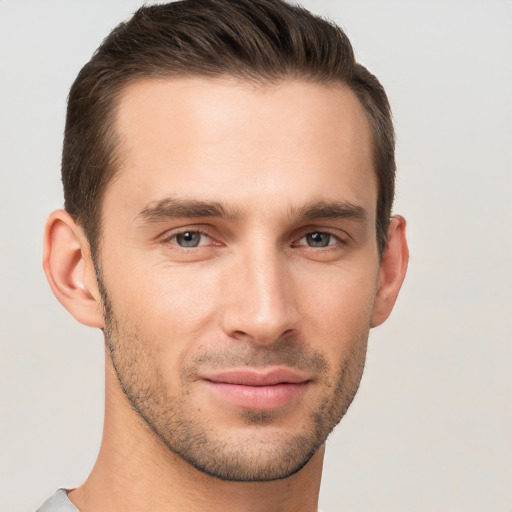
[[168, 306], [337, 313]]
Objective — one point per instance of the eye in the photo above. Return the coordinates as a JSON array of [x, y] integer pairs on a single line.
[[318, 239], [190, 239]]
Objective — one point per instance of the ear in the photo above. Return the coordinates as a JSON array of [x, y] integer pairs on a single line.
[[393, 267], [68, 266]]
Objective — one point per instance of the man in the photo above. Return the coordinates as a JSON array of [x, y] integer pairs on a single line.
[[228, 173]]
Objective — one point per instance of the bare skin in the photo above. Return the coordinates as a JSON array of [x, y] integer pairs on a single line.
[[240, 261]]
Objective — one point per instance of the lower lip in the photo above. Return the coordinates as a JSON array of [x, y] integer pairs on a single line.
[[258, 397]]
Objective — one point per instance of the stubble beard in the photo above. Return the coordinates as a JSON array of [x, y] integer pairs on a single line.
[[178, 424]]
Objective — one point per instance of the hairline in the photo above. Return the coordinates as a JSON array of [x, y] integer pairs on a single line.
[[119, 91]]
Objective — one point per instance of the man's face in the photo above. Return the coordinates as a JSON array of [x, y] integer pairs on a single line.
[[240, 266]]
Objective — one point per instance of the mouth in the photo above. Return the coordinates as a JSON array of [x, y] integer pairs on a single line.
[[258, 389]]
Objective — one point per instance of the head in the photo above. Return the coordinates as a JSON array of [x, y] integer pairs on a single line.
[[228, 171], [258, 42]]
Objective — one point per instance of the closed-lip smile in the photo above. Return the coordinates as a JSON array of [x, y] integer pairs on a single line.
[[253, 388]]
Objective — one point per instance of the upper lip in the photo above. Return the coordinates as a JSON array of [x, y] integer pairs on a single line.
[[257, 377]]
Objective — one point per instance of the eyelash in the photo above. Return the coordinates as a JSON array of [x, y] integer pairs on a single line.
[[332, 237], [338, 240], [169, 239]]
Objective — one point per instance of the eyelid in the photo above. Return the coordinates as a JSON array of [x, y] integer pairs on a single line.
[[166, 238], [341, 236], [333, 240]]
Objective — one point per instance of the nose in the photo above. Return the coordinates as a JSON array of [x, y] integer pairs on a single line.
[[260, 300]]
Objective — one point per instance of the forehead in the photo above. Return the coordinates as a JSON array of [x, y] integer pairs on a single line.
[[293, 141]]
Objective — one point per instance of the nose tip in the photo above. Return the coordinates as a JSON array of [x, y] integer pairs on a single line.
[[262, 330], [261, 304]]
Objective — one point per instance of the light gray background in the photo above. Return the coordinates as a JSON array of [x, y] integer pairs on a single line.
[[431, 427]]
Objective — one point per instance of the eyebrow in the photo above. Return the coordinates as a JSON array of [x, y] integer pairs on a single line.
[[169, 208], [332, 210]]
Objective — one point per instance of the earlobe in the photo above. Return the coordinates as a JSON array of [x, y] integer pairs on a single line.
[[392, 272], [69, 269]]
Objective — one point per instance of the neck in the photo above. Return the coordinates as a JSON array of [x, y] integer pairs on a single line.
[[131, 453]]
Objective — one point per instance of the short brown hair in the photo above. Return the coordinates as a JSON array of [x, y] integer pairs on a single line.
[[250, 39]]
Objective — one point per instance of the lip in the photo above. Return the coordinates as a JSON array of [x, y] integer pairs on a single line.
[[257, 389]]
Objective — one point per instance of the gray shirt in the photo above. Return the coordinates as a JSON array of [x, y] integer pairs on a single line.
[[59, 502]]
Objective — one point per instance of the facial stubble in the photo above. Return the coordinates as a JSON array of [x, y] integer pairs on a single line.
[[176, 420]]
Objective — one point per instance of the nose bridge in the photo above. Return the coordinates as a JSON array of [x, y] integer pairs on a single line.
[[262, 304]]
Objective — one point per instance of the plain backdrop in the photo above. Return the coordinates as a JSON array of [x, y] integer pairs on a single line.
[[431, 427]]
